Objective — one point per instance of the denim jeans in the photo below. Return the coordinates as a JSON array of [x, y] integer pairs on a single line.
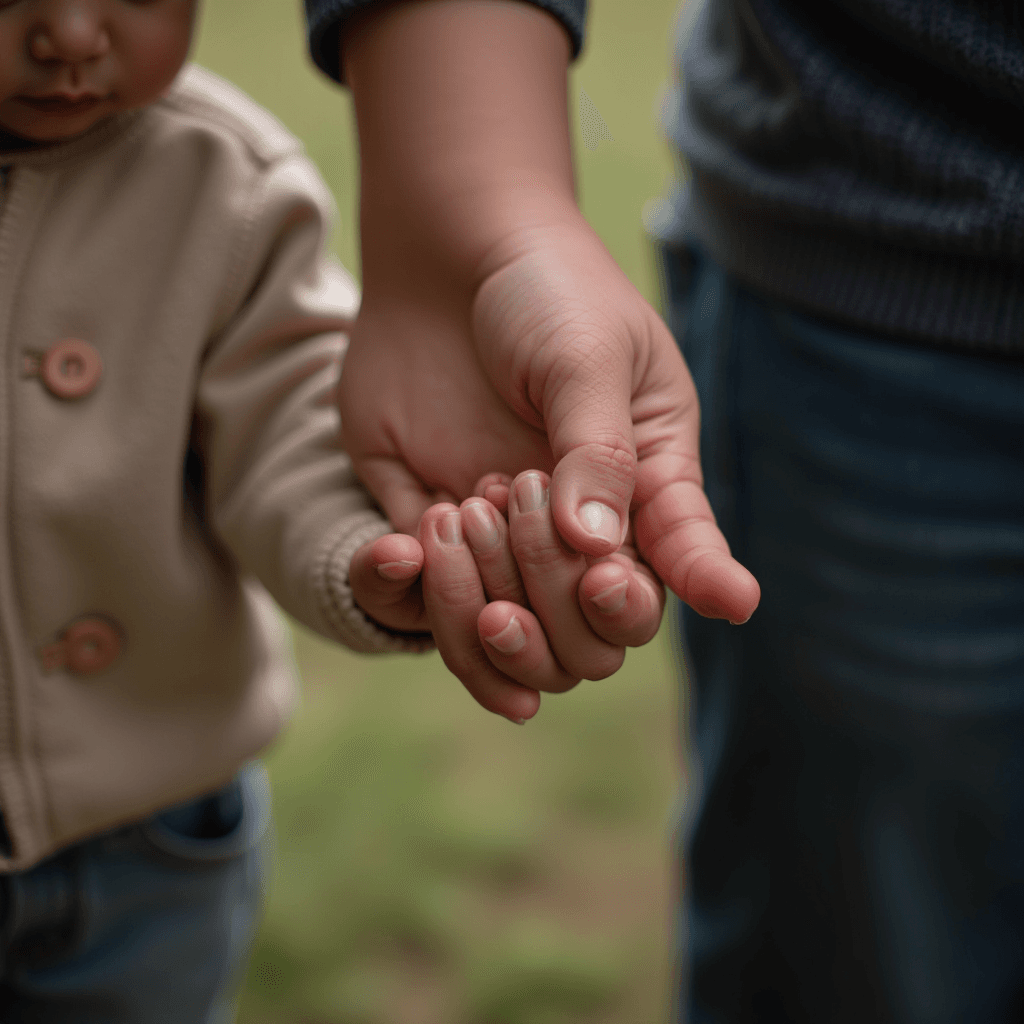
[[854, 837], [148, 923]]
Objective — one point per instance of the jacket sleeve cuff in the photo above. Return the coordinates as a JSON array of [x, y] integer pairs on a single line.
[[346, 619]]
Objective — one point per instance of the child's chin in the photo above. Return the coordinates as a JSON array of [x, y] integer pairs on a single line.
[[52, 129]]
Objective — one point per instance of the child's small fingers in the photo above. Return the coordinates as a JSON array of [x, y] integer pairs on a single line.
[[497, 495], [494, 487], [517, 647], [490, 479], [486, 532], [384, 577], [622, 603], [454, 597], [397, 557], [551, 575]]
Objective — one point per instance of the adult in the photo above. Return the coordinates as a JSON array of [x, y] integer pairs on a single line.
[[844, 272]]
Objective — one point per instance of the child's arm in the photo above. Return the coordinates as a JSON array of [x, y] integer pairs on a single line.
[[278, 489]]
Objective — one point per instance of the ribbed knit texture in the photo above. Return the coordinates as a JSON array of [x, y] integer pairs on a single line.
[[863, 159], [325, 21]]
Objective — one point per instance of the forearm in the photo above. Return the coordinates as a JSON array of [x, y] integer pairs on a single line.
[[463, 125]]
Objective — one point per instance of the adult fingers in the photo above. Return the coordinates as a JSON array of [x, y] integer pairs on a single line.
[[554, 325], [677, 533], [591, 431], [551, 574]]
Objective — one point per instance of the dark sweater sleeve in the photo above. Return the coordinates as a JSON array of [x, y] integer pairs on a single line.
[[325, 21]]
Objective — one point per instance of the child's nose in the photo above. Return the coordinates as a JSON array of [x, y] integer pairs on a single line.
[[71, 31]]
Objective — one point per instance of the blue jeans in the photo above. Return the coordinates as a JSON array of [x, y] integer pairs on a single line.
[[152, 922], [854, 840]]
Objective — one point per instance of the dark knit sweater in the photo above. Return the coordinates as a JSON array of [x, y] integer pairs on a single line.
[[861, 159]]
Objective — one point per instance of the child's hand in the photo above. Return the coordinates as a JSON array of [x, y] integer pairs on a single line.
[[477, 573], [513, 611], [620, 597]]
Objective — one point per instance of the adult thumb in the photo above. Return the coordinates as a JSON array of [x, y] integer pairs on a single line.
[[590, 429]]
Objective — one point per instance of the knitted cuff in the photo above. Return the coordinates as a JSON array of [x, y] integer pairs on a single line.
[[345, 618]]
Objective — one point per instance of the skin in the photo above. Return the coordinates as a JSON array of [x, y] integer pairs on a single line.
[[483, 593], [509, 336], [67, 64]]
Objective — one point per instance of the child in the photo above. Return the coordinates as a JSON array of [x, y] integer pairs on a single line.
[[173, 336]]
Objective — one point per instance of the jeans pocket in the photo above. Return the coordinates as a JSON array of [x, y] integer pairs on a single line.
[[218, 826]]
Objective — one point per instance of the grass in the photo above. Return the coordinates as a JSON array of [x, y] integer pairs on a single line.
[[435, 864]]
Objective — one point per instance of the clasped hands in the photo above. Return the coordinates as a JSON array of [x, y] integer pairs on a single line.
[[513, 610], [496, 331]]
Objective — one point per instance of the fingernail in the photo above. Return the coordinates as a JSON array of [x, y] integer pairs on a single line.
[[746, 620], [612, 599], [397, 570], [518, 721], [510, 640], [600, 521], [449, 528], [531, 494], [481, 530]]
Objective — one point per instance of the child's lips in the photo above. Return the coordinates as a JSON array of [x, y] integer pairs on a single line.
[[62, 104]]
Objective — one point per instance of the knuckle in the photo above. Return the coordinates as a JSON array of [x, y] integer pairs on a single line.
[[456, 592], [537, 550], [509, 588], [612, 453], [496, 565]]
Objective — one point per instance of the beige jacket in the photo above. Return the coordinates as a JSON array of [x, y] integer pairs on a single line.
[[141, 658]]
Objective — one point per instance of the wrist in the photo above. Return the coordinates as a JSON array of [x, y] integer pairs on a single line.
[[463, 127]]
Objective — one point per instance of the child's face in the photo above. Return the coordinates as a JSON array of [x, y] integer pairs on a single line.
[[66, 64]]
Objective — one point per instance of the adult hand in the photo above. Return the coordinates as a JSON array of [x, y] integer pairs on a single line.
[[496, 330]]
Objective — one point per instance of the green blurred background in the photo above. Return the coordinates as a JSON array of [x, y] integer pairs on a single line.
[[435, 864]]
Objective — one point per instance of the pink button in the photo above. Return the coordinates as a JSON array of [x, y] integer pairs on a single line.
[[71, 368], [90, 645]]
